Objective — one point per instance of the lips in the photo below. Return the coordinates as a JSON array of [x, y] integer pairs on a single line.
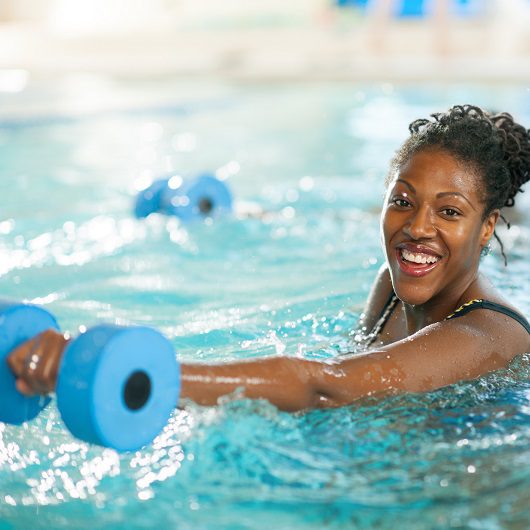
[[417, 260]]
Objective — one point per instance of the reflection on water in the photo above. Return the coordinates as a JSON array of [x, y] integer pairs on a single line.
[[292, 282]]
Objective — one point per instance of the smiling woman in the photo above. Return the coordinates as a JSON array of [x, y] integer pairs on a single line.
[[446, 188], [434, 231]]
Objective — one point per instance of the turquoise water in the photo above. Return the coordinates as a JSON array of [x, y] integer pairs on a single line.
[[313, 156]]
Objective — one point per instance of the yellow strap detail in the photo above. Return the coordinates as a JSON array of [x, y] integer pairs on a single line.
[[463, 306]]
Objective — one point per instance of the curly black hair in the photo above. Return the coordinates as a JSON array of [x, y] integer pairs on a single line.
[[493, 145]]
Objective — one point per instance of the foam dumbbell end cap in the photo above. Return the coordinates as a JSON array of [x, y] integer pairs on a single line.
[[18, 323], [117, 386], [150, 199], [204, 196]]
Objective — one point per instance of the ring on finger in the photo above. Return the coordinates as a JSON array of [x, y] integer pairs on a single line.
[[32, 358]]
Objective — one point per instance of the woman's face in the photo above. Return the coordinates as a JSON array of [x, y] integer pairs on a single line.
[[432, 227]]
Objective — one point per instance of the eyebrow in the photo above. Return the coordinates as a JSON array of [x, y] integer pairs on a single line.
[[438, 195]]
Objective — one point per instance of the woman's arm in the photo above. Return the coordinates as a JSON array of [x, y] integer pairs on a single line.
[[287, 382], [279, 379], [296, 384], [438, 355]]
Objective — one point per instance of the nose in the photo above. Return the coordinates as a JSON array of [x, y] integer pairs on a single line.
[[420, 225]]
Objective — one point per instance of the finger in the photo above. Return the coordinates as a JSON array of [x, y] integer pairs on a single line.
[[28, 377], [35, 363], [24, 388], [55, 346], [52, 369], [48, 353], [43, 362], [16, 360]]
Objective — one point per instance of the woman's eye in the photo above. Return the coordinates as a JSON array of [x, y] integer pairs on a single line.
[[399, 201], [451, 212]]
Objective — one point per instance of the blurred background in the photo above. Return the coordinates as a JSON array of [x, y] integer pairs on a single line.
[[457, 40], [97, 98]]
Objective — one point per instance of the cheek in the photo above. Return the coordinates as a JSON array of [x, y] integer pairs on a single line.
[[391, 222], [384, 228], [461, 237], [464, 242]]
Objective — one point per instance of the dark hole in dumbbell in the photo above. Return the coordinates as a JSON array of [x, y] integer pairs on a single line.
[[205, 205], [137, 390]]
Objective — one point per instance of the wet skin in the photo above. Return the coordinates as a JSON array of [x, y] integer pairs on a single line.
[[433, 208]]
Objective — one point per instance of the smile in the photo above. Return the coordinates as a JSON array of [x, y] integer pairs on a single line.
[[416, 263], [418, 257]]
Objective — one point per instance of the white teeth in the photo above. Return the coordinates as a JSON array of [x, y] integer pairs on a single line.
[[418, 257]]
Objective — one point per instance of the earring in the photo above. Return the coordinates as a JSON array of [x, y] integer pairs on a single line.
[[486, 249]]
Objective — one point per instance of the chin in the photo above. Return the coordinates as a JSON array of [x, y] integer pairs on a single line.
[[412, 294]]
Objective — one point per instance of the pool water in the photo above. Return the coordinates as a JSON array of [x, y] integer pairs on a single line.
[[72, 155]]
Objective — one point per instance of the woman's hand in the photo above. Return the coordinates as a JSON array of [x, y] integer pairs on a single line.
[[35, 363]]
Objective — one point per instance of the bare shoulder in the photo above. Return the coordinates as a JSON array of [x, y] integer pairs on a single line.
[[440, 354], [489, 316], [462, 348], [379, 295], [492, 331], [446, 352], [482, 288]]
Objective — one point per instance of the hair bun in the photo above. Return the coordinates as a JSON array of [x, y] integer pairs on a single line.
[[515, 141]]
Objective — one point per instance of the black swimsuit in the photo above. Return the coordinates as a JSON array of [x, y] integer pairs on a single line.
[[461, 311]]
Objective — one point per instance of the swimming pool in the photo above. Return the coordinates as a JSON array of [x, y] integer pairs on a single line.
[[314, 156]]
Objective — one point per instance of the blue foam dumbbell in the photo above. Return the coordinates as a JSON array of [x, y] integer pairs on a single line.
[[116, 385], [18, 323], [204, 196]]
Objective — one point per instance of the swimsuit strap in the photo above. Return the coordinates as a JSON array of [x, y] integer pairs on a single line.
[[477, 303], [493, 306], [387, 310]]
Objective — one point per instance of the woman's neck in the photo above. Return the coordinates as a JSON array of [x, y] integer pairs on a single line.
[[437, 308]]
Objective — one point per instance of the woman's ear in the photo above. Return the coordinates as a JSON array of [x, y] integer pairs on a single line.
[[488, 227]]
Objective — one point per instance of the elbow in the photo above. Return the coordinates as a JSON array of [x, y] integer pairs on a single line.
[[322, 400], [329, 388], [305, 390]]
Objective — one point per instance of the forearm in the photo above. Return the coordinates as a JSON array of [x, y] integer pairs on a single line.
[[284, 381], [291, 383]]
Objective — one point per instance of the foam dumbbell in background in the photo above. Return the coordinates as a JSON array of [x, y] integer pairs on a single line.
[[203, 196]]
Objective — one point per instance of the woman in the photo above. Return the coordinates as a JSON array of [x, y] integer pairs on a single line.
[[431, 318]]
